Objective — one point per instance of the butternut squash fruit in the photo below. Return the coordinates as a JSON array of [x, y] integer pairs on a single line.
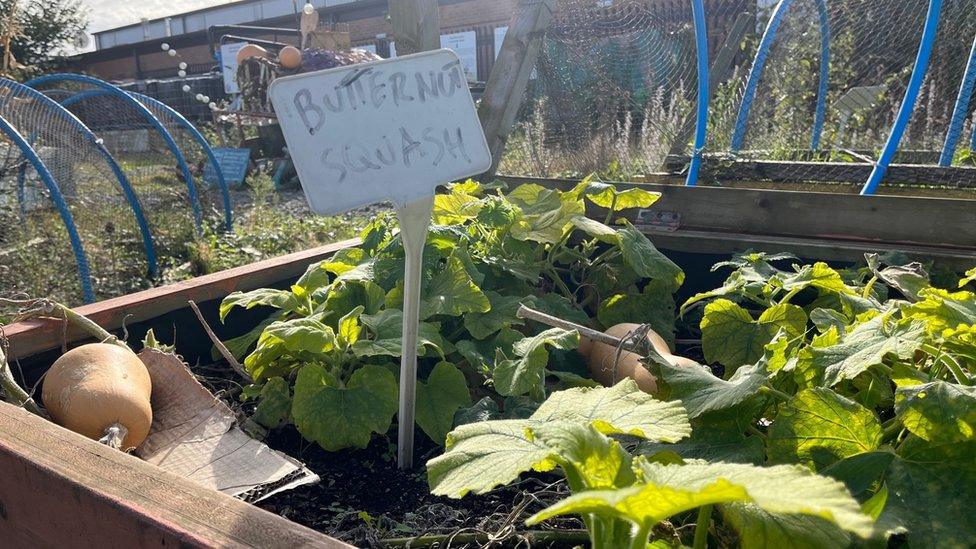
[[101, 391], [601, 359]]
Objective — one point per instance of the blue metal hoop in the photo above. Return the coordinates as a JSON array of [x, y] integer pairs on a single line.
[[84, 273], [911, 97], [701, 125], [960, 110], [127, 189], [755, 73], [147, 115]]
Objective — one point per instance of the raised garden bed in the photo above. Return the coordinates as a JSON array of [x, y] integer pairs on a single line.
[[362, 498]]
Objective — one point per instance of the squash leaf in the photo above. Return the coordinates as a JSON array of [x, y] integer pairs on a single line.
[[439, 398], [338, 417], [275, 403], [641, 255], [671, 489], [820, 427], [938, 411], [866, 345], [731, 337], [524, 373]]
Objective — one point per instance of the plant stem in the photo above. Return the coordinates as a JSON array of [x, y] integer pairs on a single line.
[[14, 391], [950, 363], [790, 295], [221, 348], [640, 540], [541, 537], [701, 527], [869, 286], [892, 428], [776, 393]]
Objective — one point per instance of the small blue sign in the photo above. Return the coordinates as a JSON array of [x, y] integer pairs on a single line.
[[233, 162]]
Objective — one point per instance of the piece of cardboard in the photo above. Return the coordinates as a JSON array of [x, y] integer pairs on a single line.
[[195, 435]]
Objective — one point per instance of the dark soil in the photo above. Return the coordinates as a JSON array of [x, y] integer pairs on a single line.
[[365, 500]]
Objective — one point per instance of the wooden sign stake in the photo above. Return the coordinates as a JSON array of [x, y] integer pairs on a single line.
[[414, 222]]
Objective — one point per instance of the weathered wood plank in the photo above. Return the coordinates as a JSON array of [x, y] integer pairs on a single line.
[[506, 85], [416, 25], [29, 338], [938, 224], [61, 489], [720, 168]]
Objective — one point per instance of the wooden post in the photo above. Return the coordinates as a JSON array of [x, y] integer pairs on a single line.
[[506, 86], [416, 25]]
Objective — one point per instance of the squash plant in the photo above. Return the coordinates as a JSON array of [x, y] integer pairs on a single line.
[[847, 395], [622, 497], [327, 358]]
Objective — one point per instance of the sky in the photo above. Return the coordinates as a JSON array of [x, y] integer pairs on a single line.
[[108, 14]]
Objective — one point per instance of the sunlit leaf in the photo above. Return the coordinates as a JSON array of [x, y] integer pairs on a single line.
[[439, 398], [731, 336]]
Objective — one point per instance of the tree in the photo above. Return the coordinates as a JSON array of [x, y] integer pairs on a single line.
[[37, 34]]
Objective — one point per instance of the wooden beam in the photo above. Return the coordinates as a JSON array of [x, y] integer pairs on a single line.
[[416, 25], [61, 489], [509, 78], [35, 336], [721, 168], [938, 225]]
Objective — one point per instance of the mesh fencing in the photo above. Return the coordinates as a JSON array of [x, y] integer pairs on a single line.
[[803, 91], [167, 176], [36, 253]]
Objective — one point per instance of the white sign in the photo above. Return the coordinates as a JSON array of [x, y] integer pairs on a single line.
[[465, 45], [388, 130], [228, 65], [500, 33]]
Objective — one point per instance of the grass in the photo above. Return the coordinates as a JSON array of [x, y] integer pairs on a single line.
[[36, 258]]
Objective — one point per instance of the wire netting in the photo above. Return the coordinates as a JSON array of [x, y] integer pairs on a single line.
[[615, 90], [167, 177], [36, 255]]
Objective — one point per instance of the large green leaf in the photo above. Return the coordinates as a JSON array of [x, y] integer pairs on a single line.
[[866, 345], [645, 259], [267, 297], [938, 411], [731, 337], [712, 441], [387, 330], [501, 315], [759, 529], [597, 230], [444, 393], [274, 405], [524, 374], [700, 391], [455, 208], [820, 427], [623, 408], [452, 292], [481, 456], [672, 489], [546, 214], [818, 275], [299, 335], [932, 492], [338, 417], [599, 461], [607, 196], [942, 310]]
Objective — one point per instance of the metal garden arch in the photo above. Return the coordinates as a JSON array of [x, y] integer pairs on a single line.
[[150, 118], [181, 121], [755, 74], [84, 273], [82, 129]]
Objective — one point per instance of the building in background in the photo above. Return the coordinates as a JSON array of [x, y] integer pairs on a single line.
[[473, 28]]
